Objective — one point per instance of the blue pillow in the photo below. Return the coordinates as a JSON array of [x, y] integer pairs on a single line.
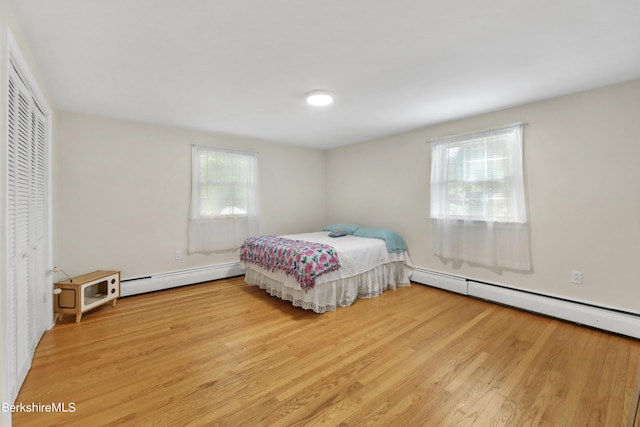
[[393, 241], [347, 228], [338, 233]]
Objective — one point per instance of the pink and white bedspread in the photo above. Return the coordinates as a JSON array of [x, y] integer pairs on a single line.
[[366, 270], [303, 260]]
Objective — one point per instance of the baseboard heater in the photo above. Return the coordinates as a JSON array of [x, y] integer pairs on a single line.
[[440, 280], [156, 282], [620, 322]]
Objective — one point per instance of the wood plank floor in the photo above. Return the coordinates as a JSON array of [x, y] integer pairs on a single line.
[[226, 353]]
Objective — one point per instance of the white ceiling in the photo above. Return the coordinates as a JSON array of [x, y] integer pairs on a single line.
[[242, 66]]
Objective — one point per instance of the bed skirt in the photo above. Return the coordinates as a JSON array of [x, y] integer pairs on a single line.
[[327, 296]]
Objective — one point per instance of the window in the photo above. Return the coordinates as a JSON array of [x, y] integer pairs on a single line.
[[224, 198], [478, 198], [478, 176]]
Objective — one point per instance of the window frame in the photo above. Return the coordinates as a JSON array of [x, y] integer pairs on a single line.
[[512, 182], [214, 182]]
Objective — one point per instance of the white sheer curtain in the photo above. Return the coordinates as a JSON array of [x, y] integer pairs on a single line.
[[224, 199], [478, 199]]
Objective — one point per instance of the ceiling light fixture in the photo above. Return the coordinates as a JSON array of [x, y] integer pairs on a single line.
[[319, 97]]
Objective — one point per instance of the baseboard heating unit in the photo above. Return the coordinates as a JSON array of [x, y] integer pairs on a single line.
[[156, 282], [440, 280], [607, 319]]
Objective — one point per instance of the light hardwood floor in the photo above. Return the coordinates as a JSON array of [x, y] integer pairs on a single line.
[[226, 353]]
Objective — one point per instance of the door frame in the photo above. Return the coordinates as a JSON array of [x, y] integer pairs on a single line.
[[43, 298]]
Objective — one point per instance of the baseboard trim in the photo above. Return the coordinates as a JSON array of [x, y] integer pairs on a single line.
[[156, 282], [607, 319]]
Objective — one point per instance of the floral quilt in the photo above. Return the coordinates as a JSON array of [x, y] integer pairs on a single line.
[[303, 260]]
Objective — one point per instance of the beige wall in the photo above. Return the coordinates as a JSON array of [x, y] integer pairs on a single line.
[[123, 194], [582, 179]]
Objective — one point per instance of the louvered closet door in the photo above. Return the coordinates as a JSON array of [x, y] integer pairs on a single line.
[[27, 223], [38, 218]]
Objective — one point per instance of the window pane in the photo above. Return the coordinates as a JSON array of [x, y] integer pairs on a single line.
[[475, 177], [226, 180]]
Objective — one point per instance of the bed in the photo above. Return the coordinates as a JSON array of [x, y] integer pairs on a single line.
[[323, 270]]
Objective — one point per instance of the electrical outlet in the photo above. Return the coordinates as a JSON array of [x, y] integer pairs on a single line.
[[178, 255], [576, 277]]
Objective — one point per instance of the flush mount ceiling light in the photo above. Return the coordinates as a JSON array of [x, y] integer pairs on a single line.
[[319, 98]]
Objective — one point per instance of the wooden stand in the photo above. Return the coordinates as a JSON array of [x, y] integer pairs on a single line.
[[86, 292]]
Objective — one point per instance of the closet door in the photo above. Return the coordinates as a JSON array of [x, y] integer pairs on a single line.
[[38, 222], [26, 227]]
